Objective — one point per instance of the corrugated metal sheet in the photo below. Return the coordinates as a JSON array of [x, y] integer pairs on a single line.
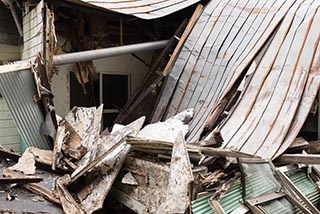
[[18, 89], [226, 37], [260, 123], [279, 41], [233, 198], [144, 9]]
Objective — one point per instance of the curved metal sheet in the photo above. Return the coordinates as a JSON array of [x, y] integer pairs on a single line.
[[144, 9]]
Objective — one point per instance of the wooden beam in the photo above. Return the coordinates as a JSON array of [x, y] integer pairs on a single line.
[[299, 159], [20, 180], [35, 188], [15, 67], [190, 147], [184, 36]]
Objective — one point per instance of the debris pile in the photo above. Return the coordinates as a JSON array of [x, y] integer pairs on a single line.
[[219, 136]]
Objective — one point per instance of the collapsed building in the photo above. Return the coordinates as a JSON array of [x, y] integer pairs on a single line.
[[218, 102]]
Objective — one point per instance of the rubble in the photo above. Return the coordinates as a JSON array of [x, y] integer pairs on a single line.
[[216, 128]]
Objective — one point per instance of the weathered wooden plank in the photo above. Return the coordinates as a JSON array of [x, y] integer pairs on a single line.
[[128, 201], [182, 39], [31, 52], [14, 67], [179, 179], [239, 115], [5, 115], [32, 43], [190, 147], [298, 159], [9, 132], [11, 147], [8, 140], [35, 188], [112, 146], [32, 32], [21, 180], [33, 13], [9, 52], [184, 55], [7, 123]]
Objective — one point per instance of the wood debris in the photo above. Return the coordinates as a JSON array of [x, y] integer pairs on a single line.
[[217, 122]]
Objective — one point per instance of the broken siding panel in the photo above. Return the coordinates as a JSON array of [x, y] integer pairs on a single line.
[[33, 32], [143, 9], [9, 136], [18, 89]]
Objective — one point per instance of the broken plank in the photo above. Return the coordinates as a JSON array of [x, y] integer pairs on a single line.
[[69, 205], [114, 140], [101, 179], [191, 148], [299, 159], [179, 179], [22, 180], [35, 188], [128, 201], [182, 39]]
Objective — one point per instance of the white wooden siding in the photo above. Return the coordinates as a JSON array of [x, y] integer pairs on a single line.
[[32, 32]]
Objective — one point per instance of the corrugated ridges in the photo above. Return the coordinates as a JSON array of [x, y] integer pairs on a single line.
[[18, 89]]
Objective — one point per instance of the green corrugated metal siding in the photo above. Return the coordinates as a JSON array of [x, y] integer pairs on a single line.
[[9, 136], [233, 198]]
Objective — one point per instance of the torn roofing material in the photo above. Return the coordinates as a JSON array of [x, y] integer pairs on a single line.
[[226, 37], [18, 88], [277, 41], [267, 118], [143, 9]]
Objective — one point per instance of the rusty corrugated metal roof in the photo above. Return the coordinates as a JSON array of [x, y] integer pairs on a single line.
[[279, 41], [144, 9]]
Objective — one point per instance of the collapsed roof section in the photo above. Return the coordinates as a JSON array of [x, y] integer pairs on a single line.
[[142, 9], [275, 43]]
